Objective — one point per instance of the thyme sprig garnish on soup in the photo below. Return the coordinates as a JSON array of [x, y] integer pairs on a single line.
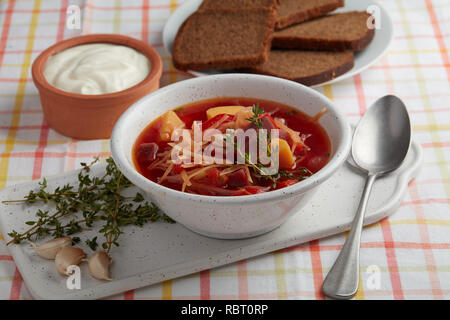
[[302, 145]]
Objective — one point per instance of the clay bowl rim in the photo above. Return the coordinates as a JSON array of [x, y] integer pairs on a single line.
[[37, 69]]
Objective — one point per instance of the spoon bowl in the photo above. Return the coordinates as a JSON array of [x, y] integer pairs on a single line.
[[383, 136]]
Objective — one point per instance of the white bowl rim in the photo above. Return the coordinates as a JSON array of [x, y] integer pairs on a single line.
[[339, 157]]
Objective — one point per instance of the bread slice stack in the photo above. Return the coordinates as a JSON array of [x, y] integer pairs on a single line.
[[298, 40]]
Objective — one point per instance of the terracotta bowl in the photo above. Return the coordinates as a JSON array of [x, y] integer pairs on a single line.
[[91, 116]]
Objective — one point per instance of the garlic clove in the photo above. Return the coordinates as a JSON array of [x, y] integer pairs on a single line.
[[68, 256], [49, 249], [98, 265]]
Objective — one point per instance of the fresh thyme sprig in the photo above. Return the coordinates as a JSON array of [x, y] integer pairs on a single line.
[[78, 208], [299, 174], [256, 118]]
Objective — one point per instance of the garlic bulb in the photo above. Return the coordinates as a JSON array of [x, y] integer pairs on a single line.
[[49, 249], [67, 257], [98, 265]]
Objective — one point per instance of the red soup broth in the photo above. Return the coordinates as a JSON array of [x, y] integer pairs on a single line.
[[317, 140]]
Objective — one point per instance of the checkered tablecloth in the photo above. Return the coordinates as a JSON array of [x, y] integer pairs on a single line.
[[411, 248]]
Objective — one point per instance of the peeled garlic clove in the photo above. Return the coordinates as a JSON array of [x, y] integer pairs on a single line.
[[68, 256], [49, 249], [98, 265]]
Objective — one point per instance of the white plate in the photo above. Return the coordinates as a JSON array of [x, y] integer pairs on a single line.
[[363, 59], [162, 251]]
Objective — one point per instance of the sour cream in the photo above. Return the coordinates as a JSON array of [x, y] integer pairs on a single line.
[[97, 68]]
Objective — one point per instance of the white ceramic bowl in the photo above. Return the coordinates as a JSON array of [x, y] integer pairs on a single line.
[[230, 217]]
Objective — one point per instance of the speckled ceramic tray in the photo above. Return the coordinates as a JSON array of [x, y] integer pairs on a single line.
[[163, 251]]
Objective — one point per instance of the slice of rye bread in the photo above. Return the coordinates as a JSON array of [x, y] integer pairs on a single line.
[[335, 32], [291, 12], [237, 4], [306, 67], [224, 39]]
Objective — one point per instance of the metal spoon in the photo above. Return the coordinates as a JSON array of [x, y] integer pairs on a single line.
[[380, 144]]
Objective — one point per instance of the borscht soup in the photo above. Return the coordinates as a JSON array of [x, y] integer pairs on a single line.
[[232, 147]]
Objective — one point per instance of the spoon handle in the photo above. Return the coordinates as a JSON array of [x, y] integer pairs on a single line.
[[343, 278]]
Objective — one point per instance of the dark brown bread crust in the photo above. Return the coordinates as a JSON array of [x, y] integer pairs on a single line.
[[236, 4], [336, 32], [320, 45], [224, 39], [295, 11], [306, 67]]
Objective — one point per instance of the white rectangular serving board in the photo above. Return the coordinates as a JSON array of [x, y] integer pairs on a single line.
[[161, 251]]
